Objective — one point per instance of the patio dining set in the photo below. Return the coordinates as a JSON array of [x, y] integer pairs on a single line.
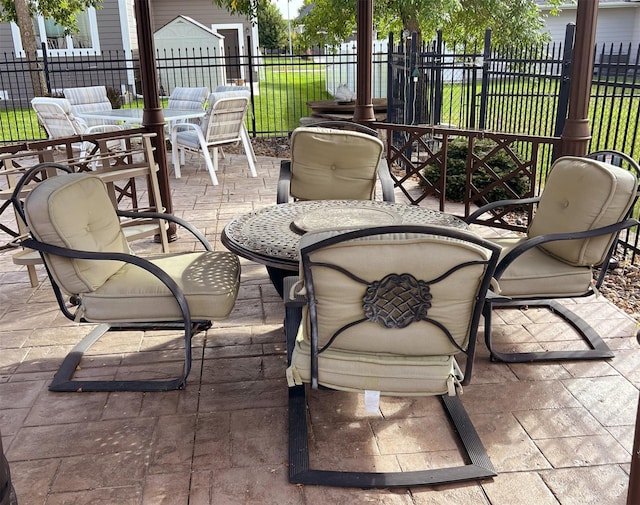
[[381, 298]]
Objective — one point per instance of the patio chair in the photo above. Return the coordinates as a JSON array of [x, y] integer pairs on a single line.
[[392, 324], [89, 99], [331, 162], [222, 125], [233, 91], [56, 117], [584, 206], [96, 279], [188, 98]]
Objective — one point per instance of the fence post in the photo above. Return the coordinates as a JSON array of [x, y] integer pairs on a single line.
[[409, 113], [253, 103], [45, 67], [437, 80], [484, 93], [565, 80], [391, 115]]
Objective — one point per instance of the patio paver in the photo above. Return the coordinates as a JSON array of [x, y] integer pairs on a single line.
[[558, 433]]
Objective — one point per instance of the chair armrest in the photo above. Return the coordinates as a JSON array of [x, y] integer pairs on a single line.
[[160, 274], [175, 127], [292, 299], [386, 181], [284, 182], [471, 218], [168, 217], [293, 304], [102, 128], [521, 248]]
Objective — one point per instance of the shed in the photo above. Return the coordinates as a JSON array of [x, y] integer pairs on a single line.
[[177, 43]]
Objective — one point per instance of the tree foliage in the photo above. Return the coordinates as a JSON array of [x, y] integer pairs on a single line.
[[272, 28], [512, 21], [62, 12], [22, 12]]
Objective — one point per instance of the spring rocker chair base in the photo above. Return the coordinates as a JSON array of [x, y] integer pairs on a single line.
[[479, 467], [597, 347], [63, 379]]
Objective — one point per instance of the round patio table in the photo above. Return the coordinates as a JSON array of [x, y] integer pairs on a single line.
[[271, 235]]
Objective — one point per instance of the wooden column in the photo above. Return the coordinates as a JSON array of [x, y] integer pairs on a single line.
[[152, 117], [577, 133], [364, 105]]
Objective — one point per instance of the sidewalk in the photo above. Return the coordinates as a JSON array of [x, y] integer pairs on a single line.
[[556, 433]]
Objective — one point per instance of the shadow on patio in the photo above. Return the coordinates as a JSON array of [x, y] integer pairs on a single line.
[[557, 433]]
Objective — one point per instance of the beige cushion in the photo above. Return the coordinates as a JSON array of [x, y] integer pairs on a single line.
[[424, 257], [330, 164], [368, 349], [209, 280], [538, 274], [582, 194], [62, 211], [389, 374]]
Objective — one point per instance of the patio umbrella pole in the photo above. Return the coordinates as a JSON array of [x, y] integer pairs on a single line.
[[364, 105], [152, 117]]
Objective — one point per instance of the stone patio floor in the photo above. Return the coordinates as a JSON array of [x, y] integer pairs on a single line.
[[556, 433]]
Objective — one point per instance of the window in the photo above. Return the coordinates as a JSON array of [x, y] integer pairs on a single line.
[[84, 41]]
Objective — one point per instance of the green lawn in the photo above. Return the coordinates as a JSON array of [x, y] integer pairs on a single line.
[[287, 84]]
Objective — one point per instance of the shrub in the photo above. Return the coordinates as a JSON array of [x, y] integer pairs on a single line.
[[501, 163]]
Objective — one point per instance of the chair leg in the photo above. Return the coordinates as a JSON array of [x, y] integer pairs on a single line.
[[597, 348], [212, 164], [248, 150], [480, 466], [63, 379], [175, 156]]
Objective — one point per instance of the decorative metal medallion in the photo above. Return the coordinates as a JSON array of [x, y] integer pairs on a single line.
[[397, 300]]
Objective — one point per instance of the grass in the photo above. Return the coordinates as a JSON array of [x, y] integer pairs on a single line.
[[287, 84]]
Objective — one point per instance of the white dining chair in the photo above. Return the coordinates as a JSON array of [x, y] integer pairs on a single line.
[[222, 125]]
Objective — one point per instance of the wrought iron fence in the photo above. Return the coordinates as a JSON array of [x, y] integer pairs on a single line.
[[521, 90]]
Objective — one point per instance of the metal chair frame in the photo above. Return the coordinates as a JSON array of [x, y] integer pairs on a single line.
[[478, 465], [63, 380], [597, 348]]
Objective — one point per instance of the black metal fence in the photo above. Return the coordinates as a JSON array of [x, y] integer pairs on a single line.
[[521, 90]]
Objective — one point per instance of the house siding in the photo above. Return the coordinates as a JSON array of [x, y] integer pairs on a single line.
[[203, 11], [109, 29], [616, 24]]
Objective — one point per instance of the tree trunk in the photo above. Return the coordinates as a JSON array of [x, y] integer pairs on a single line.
[[28, 38]]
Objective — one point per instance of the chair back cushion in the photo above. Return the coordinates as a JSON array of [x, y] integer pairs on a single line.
[[331, 164], [74, 211], [581, 194], [89, 99], [56, 117], [441, 302], [224, 119], [188, 98]]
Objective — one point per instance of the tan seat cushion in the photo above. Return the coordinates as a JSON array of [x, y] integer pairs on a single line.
[[414, 359], [538, 274], [209, 280], [389, 374], [330, 164], [582, 194], [60, 211], [64, 209], [424, 257]]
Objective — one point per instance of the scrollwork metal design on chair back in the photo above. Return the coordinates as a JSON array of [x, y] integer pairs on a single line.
[[396, 301]]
